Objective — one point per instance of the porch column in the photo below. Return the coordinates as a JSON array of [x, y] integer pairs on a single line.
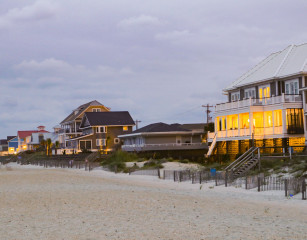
[[284, 121], [273, 122], [239, 133], [251, 123]]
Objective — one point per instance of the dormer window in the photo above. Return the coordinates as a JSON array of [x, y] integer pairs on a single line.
[[96, 110], [291, 87], [101, 129], [235, 96], [250, 93]]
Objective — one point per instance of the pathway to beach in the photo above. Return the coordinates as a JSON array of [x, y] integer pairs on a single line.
[[37, 203]]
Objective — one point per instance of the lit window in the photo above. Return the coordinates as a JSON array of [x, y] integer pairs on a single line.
[[100, 142], [125, 128]]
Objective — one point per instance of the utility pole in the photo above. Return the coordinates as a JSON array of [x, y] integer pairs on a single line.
[[137, 124], [208, 111]]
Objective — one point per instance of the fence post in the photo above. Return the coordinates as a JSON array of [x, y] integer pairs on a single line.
[[158, 172], [199, 177], [286, 187], [215, 179], [303, 189], [174, 176], [226, 178], [180, 176], [258, 178], [246, 181]]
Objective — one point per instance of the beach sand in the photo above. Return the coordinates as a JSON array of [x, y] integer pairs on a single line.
[[38, 203]]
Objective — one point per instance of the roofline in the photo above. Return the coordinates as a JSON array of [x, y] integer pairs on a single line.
[[83, 136], [129, 125], [265, 80], [157, 133]]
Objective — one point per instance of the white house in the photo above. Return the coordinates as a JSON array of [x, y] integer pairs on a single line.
[[267, 104]]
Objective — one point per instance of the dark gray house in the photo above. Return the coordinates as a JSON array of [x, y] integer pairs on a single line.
[[167, 139]]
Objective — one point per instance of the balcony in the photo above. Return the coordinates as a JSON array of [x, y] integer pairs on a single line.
[[293, 98], [245, 132], [71, 131], [166, 146]]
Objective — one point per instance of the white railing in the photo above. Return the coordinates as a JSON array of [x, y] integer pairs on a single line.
[[259, 102], [246, 132]]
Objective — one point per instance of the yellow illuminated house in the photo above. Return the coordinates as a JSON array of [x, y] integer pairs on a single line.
[[266, 106]]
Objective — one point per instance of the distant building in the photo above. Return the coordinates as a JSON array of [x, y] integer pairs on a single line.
[[24, 138], [70, 126], [100, 131], [174, 140], [13, 145]]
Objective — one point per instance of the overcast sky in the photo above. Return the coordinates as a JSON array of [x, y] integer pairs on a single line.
[[158, 59]]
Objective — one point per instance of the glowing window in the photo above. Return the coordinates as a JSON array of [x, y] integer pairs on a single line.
[[125, 128]]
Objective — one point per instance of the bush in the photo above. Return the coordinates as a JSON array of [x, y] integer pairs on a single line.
[[184, 161], [116, 161]]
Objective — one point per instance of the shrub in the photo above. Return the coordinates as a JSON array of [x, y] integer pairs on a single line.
[[184, 161]]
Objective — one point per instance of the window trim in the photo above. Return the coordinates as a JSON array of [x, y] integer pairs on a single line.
[[116, 140], [98, 129]]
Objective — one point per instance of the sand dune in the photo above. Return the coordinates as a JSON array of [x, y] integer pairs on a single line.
[[37, 203]]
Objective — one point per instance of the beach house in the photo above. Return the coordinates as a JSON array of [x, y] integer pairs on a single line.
[[70, 126], [100, 131], [167, 140], [265, 107], [24, 138]]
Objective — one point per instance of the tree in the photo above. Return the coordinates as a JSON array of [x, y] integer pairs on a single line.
[[57, 145], [48, 145]]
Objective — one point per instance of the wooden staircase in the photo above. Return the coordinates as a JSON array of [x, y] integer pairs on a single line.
[[242, 164]]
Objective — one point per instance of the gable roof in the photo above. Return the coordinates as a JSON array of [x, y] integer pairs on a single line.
[[75, 113], [106, 119], [290, 61], [161, 127], [24, 134]]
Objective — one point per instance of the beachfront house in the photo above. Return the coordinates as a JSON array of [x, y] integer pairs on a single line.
[[12, 145], [266, 106], [4, 145], [167, 140], [100, 131], [70, 126], [24, 138]]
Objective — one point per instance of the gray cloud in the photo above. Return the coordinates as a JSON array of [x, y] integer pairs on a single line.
[[160, 60]]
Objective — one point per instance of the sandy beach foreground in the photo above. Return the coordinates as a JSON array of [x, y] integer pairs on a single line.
[[37, 203]]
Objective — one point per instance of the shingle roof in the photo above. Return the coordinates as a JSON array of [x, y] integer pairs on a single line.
[[290, 61], [161, 127], [75, 113], [108, 118]]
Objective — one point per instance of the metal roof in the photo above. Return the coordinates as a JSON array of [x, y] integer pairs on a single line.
[[290, 61]]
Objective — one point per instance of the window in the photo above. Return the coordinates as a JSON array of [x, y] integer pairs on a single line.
[[116, 140], [235, 96], [291, 87], [125, 128], [96, 110], [250, 93], [264, 92], [100, 142], [295, 121], [101, 129]]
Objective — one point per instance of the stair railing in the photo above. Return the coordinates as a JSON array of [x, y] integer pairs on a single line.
[[212, 145], [229, 167]]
